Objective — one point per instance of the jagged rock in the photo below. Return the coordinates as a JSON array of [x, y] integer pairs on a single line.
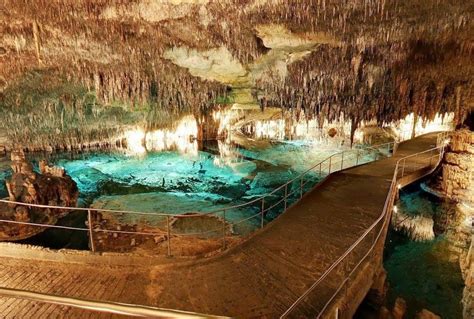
[[52, 187], [418, 228], [51, 170]]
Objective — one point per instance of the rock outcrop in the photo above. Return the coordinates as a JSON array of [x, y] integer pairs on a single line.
[[418, 228], [457, 180], [52, 186], [457, 183]]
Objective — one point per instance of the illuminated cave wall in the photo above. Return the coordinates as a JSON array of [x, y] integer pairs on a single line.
[[66, 67]]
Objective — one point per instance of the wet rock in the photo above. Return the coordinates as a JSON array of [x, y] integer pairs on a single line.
[[384, 313], [111, 187], [51, 187], [418, 228], [234, 191], [269, 180], [426, 314], [399, 309], [51, 170], [27, 186]]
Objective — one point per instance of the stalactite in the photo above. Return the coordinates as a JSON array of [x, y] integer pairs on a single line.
[[392, 54]]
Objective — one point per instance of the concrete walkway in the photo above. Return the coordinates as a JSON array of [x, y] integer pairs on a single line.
[[260, 278]]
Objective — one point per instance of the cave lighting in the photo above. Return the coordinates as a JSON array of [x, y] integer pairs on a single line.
[[404, 129], [182, 139], [135, 141]]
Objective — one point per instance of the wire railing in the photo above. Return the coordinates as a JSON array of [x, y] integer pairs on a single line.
[[120, 230], [102, 307], [346, 264], [336, 278]]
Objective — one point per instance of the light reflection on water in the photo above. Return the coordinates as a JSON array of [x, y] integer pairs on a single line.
[[426, 274], [221, 172]]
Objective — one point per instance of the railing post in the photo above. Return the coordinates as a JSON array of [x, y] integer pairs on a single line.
[[403, 167], [320, 170], [263, 209], [168, 230], [223, 230], [342, 160], [91, 237], [301, 186], [357, 158], [330, 161], [286, 197]]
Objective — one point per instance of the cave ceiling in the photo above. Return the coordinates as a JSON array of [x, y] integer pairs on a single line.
[[369, 59]]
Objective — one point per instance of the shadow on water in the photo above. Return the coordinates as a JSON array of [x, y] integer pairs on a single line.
[[62, 238]]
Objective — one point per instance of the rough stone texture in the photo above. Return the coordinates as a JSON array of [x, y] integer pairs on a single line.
[[457, 183], [368, 59], [51, 187], [419, 228], [458, 173]]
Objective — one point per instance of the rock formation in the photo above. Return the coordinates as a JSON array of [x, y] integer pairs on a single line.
[[51, 187], [456, 182], [66, 67], [418, 228]]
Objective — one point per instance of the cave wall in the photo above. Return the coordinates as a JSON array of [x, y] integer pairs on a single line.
[[371, 59]]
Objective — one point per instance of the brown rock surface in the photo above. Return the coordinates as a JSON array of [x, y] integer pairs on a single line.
[[51, 187], [458, 173], [399, 309], [426, 314]]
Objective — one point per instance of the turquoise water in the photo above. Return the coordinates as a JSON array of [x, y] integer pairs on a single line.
[[214, 175], [425, 274], [169, 182]]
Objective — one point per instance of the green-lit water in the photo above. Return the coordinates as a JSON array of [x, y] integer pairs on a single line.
[[174, 183], [425, 274]]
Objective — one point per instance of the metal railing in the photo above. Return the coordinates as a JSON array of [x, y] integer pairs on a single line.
[[124, 225], [103, 307], [364, 246]]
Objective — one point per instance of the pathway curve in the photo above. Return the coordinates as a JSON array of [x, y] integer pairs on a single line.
[[260, 278]]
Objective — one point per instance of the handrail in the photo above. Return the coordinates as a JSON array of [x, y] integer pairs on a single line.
[[102, 306], [385, 214], [441, 143], [332, 166], [195, 214]]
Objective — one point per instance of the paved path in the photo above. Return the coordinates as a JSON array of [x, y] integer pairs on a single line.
[[260, 278]]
